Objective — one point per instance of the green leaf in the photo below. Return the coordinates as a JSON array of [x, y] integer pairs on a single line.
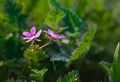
[[116, 64], [34, 56], [70, 77], [75, 23], [53, 17], [33, 51], [38, 74], [84, 44]]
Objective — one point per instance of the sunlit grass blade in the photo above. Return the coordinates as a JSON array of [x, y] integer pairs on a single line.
[[116, 65]]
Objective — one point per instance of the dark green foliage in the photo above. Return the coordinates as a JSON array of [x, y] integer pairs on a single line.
[[12, 48], [15, 17], [26, 62], [12, 80], [71, 19]]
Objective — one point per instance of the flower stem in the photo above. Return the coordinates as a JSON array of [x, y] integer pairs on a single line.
[[45, 44]]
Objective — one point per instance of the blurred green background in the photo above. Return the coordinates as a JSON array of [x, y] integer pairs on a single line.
[[19, 15]]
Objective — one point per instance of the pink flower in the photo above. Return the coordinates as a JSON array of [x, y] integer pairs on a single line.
[[32, 35], [54, 35]]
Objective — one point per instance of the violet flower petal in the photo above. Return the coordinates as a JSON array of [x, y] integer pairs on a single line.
[[54, 35], [33, 30], [28, 34], [30, 39], [50, 32], [60, 36], [38, 33]]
